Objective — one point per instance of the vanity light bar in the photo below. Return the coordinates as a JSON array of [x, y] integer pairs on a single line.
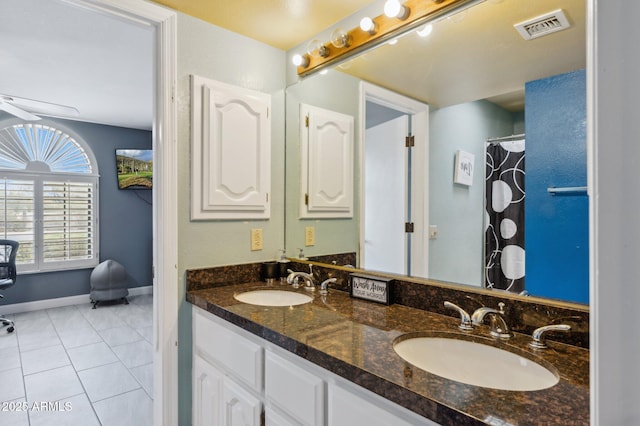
[[419, 12]]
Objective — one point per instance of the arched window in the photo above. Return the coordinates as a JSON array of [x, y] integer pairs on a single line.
[[48, 196]]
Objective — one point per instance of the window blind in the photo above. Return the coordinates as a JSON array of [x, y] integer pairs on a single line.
[[67, 221]]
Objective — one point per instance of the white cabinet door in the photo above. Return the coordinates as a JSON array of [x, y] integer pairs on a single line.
[[273, 418], [231, 151], [294, 390], [240, 408], [207, 393], [234, 353], [326, 163], [345, 408]]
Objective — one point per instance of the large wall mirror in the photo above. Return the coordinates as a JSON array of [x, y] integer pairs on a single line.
[[495, 184]]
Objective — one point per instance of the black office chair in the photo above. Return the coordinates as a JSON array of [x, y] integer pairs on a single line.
[[8, 252]]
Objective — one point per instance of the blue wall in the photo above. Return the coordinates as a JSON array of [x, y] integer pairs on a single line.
[[125, 220], [557, 227]]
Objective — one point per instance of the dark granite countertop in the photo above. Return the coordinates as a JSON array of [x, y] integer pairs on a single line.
[[353, 339]]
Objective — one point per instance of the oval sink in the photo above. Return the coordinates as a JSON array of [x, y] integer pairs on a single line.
[[273, 298], [474, 363]]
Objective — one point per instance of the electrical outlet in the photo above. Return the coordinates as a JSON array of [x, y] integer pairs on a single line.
[[433, 232], [256, 239], [309, 236]]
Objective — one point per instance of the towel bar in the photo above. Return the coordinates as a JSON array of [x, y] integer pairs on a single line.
[[569, 190]]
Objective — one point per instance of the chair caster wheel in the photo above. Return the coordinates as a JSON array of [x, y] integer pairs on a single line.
[[10, 330]]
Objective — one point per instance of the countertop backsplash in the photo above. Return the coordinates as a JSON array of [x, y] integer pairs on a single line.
[[522, 314]]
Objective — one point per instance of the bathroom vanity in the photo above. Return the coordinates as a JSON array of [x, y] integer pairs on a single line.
[[331, 361]]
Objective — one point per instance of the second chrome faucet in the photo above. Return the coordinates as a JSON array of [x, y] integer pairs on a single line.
[[499, 327]]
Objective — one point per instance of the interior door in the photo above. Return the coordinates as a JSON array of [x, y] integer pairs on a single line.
[[385, 190]]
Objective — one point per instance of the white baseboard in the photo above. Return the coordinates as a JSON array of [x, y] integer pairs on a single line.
[[63, 301]]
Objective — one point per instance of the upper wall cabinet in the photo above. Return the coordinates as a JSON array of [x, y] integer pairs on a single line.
[[326, 163], [230, 151]]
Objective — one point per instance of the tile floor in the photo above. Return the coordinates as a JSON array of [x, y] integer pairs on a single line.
[[78, 366]]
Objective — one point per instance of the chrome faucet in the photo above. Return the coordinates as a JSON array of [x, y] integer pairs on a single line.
[[324, 285], [499, 327], [538, 341], [293, 279], [465, 319]]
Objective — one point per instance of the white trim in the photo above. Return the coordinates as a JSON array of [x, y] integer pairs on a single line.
[[166, 300], [165, 196], [59, 302], [420, 168], [592, 127]]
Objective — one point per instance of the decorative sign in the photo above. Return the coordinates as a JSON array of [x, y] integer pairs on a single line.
[[464, 168], [368, 287]]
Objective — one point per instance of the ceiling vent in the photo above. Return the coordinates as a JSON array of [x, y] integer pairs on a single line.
[[542, 25]]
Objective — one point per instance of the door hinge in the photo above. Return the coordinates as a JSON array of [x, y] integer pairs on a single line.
[[306, 199], [267, 197], [408, 227], [409, 142], [306, 121]]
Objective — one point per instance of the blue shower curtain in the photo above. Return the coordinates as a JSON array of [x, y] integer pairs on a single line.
[[504, 216]]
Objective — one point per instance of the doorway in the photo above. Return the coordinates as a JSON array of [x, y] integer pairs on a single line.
[[165, 241]]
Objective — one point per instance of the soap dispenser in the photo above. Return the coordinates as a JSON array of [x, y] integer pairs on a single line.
[[301, 255], [283, 266]]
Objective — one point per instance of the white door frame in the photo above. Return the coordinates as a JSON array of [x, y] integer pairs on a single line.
[[420, 168], [165, 214]]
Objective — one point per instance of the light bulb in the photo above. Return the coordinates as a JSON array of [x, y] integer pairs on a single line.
[[299, 60], [315, 49], [393, 9], [340, 38], [425, 31], [367, 25]]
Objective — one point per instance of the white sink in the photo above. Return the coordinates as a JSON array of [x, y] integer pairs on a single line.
[[273, 298], [474, 363]]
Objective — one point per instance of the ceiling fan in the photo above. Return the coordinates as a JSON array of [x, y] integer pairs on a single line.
[[27, 109]]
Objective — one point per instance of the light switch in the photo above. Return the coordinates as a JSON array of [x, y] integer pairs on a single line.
[[309, 236], [433, 232], [256, 239]]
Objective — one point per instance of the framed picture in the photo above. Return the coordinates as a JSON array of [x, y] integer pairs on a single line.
[[134, 168], [463, 168]]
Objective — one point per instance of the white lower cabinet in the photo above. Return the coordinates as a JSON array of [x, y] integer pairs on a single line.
[[242, 380], [295, 391], [346, 408], [274, 418], [207, 393], [240, 408], [218, 400]]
